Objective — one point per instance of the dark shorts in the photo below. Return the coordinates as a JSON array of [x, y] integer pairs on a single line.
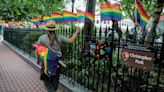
[[51, 83]]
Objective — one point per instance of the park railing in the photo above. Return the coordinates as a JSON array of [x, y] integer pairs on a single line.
[[97, 62]]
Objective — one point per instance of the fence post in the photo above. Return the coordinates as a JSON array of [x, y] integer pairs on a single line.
[[19, 40], [161, 63], [16, 38], [29, 43], [111, 54]]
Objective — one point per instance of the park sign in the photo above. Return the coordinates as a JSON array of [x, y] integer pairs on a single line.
[[137, 58]]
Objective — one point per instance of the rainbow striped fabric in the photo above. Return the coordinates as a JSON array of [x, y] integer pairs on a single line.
[[140, 15], [35, 20], [47, 59], [85, 16], [110, 12], [2, 21], [69, 16], [57, 17], [46, 18]]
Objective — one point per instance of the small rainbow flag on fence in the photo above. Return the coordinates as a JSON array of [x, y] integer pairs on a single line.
[[140, 15], [46, 18], [47, 59], [85, 16], [35, 20], [110, 11], [2, 21], [69, 16], [57, 17]]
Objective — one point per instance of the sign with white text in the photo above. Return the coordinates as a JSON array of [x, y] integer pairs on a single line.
[[138, 59]]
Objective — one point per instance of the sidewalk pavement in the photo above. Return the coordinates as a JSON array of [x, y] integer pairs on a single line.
[[16, 75]]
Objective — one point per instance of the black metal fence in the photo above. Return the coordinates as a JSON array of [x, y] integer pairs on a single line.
[[96, 64]]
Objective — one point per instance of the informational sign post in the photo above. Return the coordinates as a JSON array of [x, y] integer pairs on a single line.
[[137, 58]]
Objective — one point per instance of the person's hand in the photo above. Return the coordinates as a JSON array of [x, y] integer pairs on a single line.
[[34, 44], [100, 41], [78, 30]]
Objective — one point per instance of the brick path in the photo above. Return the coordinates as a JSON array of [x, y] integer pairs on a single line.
[[16, 75]]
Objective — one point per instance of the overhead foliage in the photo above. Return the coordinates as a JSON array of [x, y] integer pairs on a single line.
[[128, 6], [15, 10]]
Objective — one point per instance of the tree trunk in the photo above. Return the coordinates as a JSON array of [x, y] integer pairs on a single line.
[[88, 26], [152, 33]]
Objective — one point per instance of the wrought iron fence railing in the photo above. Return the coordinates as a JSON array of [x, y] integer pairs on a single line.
[[96, 64]]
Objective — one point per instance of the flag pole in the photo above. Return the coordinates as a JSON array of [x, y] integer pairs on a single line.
[[77, 18], [135, 20], [135, 15]]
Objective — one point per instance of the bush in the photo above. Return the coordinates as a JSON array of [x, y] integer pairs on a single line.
[[30, 38]]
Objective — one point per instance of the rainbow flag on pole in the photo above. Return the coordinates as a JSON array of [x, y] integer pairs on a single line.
[[141, 16], [110, 11], [46, 18], [2, 21], [69, 16], [85, 16], [57, 17], [35, 20]]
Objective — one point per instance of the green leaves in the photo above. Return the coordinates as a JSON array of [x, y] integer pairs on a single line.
[[16, 10], [128, 7]]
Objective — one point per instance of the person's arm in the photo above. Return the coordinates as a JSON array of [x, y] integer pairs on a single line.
[[72, 39]]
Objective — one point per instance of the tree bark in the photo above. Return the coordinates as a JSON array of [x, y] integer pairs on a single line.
[[89, 26], [152, 33]]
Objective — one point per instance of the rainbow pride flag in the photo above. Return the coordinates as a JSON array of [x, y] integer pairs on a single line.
[[2, 21], [141, 16], [47, 59], [35, 20], [69, 16], [57, 17], [46, 18], [85, 16], [110, 11]]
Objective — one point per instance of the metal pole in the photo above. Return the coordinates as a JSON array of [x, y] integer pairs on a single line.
[[72, 55], [160, 64], [73, 1]]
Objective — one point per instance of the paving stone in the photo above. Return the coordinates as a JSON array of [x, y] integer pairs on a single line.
[[15, 74]]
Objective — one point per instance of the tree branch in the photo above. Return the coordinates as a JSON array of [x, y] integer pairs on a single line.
[[130, 14], [133, 14], [149, 6]]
